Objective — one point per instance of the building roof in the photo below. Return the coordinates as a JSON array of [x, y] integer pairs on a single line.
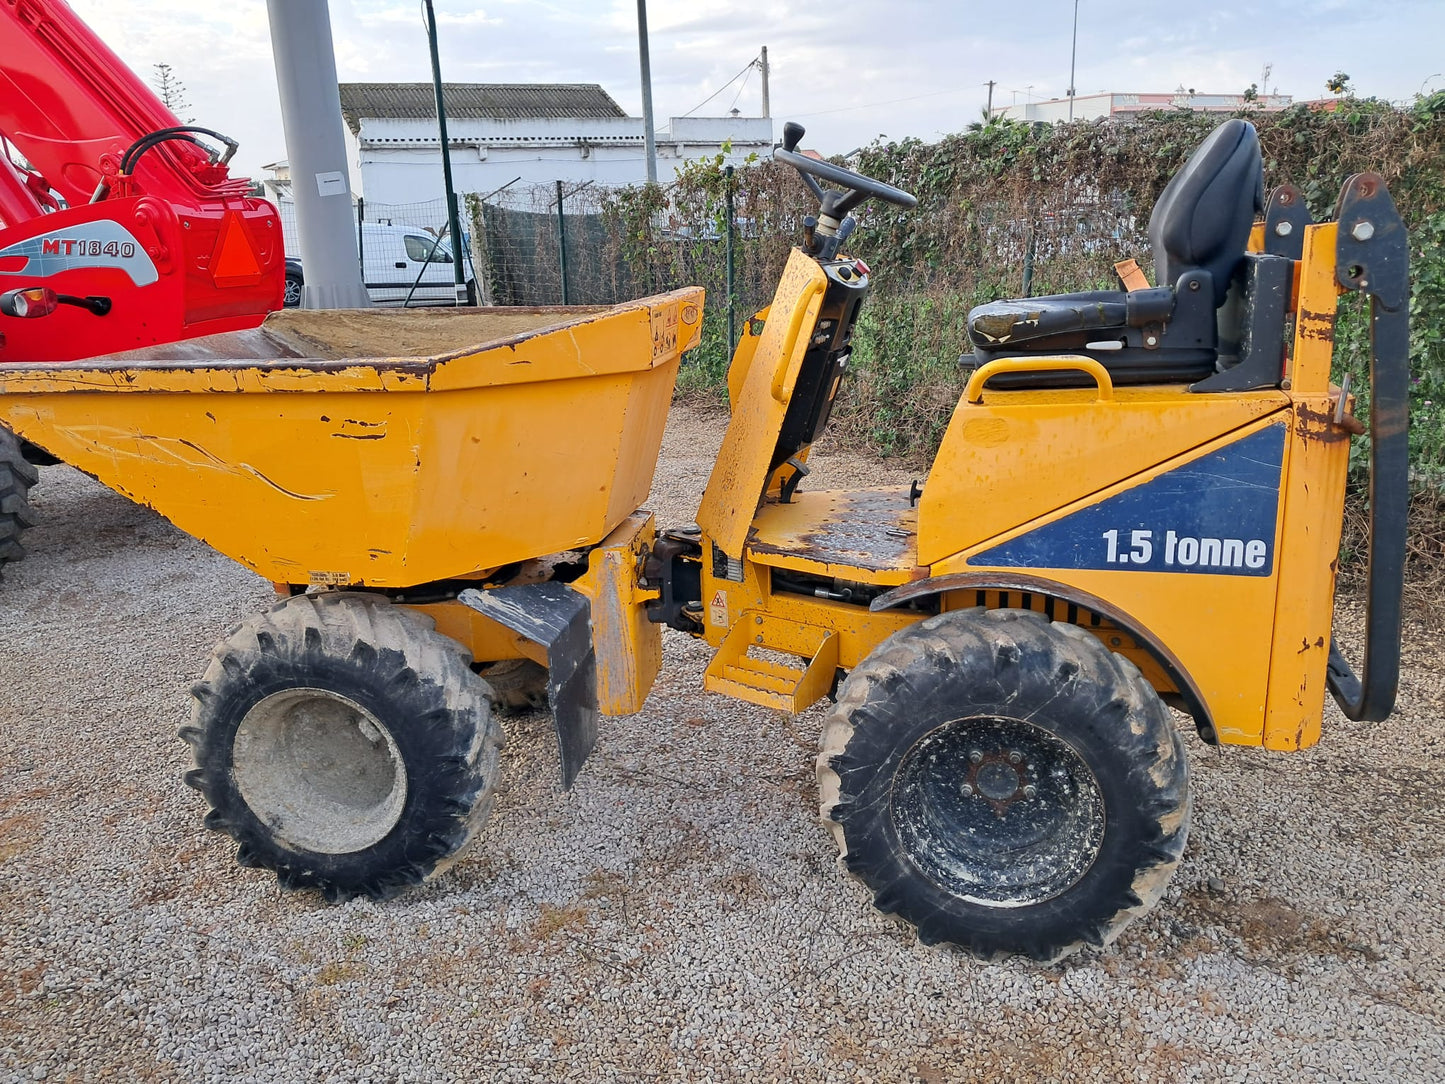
[[486, 100]]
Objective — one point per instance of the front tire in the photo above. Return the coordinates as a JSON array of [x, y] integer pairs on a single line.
[[345, 745], [1005, 784], [16, 514]]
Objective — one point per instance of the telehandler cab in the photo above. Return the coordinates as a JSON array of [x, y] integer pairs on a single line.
[[1000, 768]]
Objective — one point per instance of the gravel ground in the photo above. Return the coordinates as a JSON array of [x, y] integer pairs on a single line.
[[679, 914]]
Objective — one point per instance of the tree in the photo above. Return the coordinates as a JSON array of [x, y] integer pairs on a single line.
[[172, 92], [1339, 83]]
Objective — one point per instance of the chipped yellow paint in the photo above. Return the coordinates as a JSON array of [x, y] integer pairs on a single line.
[[1001, 460], [1318, 298], [741, 471], [867, 536], [391, 472], [747, 346], [628, 646], [1219, 627]]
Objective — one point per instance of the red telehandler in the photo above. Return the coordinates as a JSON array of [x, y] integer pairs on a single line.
[[120, 227]]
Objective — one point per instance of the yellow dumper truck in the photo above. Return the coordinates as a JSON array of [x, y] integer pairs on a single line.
[[1136, 505]]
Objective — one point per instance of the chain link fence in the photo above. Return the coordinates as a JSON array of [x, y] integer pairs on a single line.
[[402, 248]]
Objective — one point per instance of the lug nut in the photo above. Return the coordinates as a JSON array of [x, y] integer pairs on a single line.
[[1015, 756], [1031, 791], [967, 789], [976, 757]]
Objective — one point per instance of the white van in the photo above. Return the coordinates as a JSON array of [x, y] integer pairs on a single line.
[[396, 259], [397, 262]]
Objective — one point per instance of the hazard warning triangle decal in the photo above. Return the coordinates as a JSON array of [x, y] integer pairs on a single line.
[[234, 261]]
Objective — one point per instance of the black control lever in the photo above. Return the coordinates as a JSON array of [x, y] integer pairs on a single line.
[[792, 133]]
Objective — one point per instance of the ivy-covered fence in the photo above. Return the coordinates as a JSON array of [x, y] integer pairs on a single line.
[[1004, 208], [1076, 198]]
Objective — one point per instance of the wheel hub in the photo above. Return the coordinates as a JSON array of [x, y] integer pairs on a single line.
[[999, 811], [322, 772], [997, 778]]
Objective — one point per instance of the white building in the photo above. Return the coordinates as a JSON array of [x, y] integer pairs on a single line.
[[502, 132], [1099, 106]]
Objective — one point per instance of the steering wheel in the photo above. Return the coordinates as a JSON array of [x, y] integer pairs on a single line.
[[836, 204]]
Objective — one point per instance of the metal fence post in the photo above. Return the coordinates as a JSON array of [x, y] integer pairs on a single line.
[[562, 242], [1029, 263], [732, 301], [360, 234]]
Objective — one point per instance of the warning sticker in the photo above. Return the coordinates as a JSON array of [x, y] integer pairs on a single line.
[[664, 332], [717, 610]]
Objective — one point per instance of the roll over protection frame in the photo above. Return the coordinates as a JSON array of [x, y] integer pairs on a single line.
[[1372, 257]]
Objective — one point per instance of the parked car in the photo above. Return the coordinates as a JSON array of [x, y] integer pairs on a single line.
[[400, 265], [294, 281]]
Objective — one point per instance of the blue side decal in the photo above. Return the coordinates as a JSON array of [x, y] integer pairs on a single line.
[[1214, 515]]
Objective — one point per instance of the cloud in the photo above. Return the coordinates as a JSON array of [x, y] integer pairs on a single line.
[[851, 69]]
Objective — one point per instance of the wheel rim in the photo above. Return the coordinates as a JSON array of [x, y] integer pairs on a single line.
[[293, 293], [319, 770], [998, 811]]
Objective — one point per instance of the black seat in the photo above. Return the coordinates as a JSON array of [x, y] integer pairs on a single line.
[[1198, 233]]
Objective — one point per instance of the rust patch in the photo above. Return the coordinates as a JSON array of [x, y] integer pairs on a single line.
[[1319, 425], [1319, 326], [865, 530]]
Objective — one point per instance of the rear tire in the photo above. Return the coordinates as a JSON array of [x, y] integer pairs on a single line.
[[518, 685], [16, 514], [1005, 784], [345, 745]]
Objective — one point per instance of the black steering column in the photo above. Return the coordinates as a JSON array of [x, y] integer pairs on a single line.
[[833, 223]]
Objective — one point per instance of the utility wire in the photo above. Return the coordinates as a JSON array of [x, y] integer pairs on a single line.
[[730, 82], [742, 88]]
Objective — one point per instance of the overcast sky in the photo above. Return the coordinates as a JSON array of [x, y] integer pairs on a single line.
[[850, 70]]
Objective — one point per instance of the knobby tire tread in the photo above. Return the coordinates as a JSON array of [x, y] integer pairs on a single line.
[[441, 718], [16, 513], [995, 656]]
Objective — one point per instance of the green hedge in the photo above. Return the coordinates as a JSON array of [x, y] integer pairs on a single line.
[[1008, 203], [1084, 192]]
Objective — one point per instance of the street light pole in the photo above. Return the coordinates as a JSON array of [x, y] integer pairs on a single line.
[[454, 226], [649, 139], [1073, 51], [316, 149]]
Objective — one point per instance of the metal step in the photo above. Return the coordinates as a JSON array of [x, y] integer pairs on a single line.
[[774, 662]]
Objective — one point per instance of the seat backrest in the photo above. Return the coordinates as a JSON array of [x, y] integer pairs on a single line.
[[1204, 215]]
